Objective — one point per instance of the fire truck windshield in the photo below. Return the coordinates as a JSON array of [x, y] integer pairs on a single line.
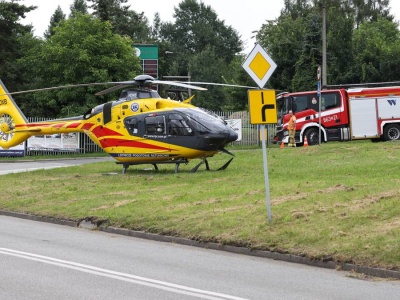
[[288, 103], [310, 100]]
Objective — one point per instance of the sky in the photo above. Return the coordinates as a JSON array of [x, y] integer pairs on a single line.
[[244, 16]]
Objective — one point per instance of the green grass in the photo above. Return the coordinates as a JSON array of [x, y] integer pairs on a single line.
[[337, 201]]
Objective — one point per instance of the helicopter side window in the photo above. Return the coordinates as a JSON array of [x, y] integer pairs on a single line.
[[147, 94], [143, 95], [155, 125], [177, 125], [154, 94], [132, 125]]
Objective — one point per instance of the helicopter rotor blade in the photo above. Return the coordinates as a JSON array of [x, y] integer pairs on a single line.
[[224, 84], [124, 84], [140, 80], [180, 84], [61, 87]]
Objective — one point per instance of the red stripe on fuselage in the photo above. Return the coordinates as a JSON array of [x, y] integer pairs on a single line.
[[74, 125], [32, 125], [101, 131], [127, 143], [87, 126]]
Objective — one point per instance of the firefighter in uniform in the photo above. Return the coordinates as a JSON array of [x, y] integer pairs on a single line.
[[292, 129]]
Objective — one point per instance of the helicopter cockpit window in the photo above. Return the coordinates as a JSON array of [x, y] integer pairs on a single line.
[[132, 125], [155, 125], [178, 126], [203, 122]]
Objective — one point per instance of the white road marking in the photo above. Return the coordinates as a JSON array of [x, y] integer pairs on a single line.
[[162, 285]]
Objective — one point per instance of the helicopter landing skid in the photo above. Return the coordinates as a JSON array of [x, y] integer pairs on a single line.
[[205, 161], [125, 165]]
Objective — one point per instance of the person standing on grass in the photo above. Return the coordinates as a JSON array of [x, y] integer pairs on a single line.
[[292, 129]]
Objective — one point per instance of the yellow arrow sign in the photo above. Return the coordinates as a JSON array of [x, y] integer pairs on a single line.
[[262, 104]]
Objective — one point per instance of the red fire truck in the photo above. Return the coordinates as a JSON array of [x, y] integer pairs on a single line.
[[346, 114]]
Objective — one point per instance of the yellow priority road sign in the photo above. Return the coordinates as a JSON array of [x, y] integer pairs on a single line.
[[259, 65], [262, 105]]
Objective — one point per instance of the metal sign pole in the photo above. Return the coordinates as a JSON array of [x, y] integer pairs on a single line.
[[319, 100], [260, 66], [266, 179]]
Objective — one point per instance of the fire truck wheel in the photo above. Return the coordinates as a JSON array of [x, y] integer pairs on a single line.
[[312, 136], [391, 132]]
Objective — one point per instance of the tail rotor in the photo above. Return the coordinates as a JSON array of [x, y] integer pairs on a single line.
[[10, 118]]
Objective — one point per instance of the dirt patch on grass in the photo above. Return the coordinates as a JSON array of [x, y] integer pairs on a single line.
[[114, 205], [363, 203], [295, 197], [390, 226], [304, 195]]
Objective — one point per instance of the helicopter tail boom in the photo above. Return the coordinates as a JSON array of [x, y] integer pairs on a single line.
[[10, 118]]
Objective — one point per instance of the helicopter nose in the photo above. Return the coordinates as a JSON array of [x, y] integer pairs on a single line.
[[233, 136], [222, 138]]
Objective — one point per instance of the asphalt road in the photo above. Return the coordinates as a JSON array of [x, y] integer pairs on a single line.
[[47, 261], [25, 166]]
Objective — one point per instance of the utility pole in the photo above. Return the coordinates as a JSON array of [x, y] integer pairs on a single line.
[[324, 71]]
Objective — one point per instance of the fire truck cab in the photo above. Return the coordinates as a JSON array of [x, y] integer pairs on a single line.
[[341, 114]]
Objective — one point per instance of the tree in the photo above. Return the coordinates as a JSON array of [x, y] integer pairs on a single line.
[[310, 57], [236, 98], [82, 50], [203, 46], [55, 20], [135, 25], [340, 28], [124, 21], [283, 40], [376, 52], [107, 10], [206, 66], [294, 41], [79, 6], [156, 28], [371, 10], [10, 30], [197, 27]]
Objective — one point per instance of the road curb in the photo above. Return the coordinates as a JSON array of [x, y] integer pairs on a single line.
[[55, 159], [87, 224]]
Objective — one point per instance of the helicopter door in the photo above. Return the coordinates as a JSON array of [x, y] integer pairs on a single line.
[[132, 125], [155, 126], [178, 127], [155, 129]]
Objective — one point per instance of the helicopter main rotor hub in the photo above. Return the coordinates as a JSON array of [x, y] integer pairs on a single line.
[[5, 127]]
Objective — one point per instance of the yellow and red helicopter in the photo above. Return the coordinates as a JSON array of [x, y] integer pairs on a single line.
[[138, 128]]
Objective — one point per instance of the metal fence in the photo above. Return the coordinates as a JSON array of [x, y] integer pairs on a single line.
[[251, 135]]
